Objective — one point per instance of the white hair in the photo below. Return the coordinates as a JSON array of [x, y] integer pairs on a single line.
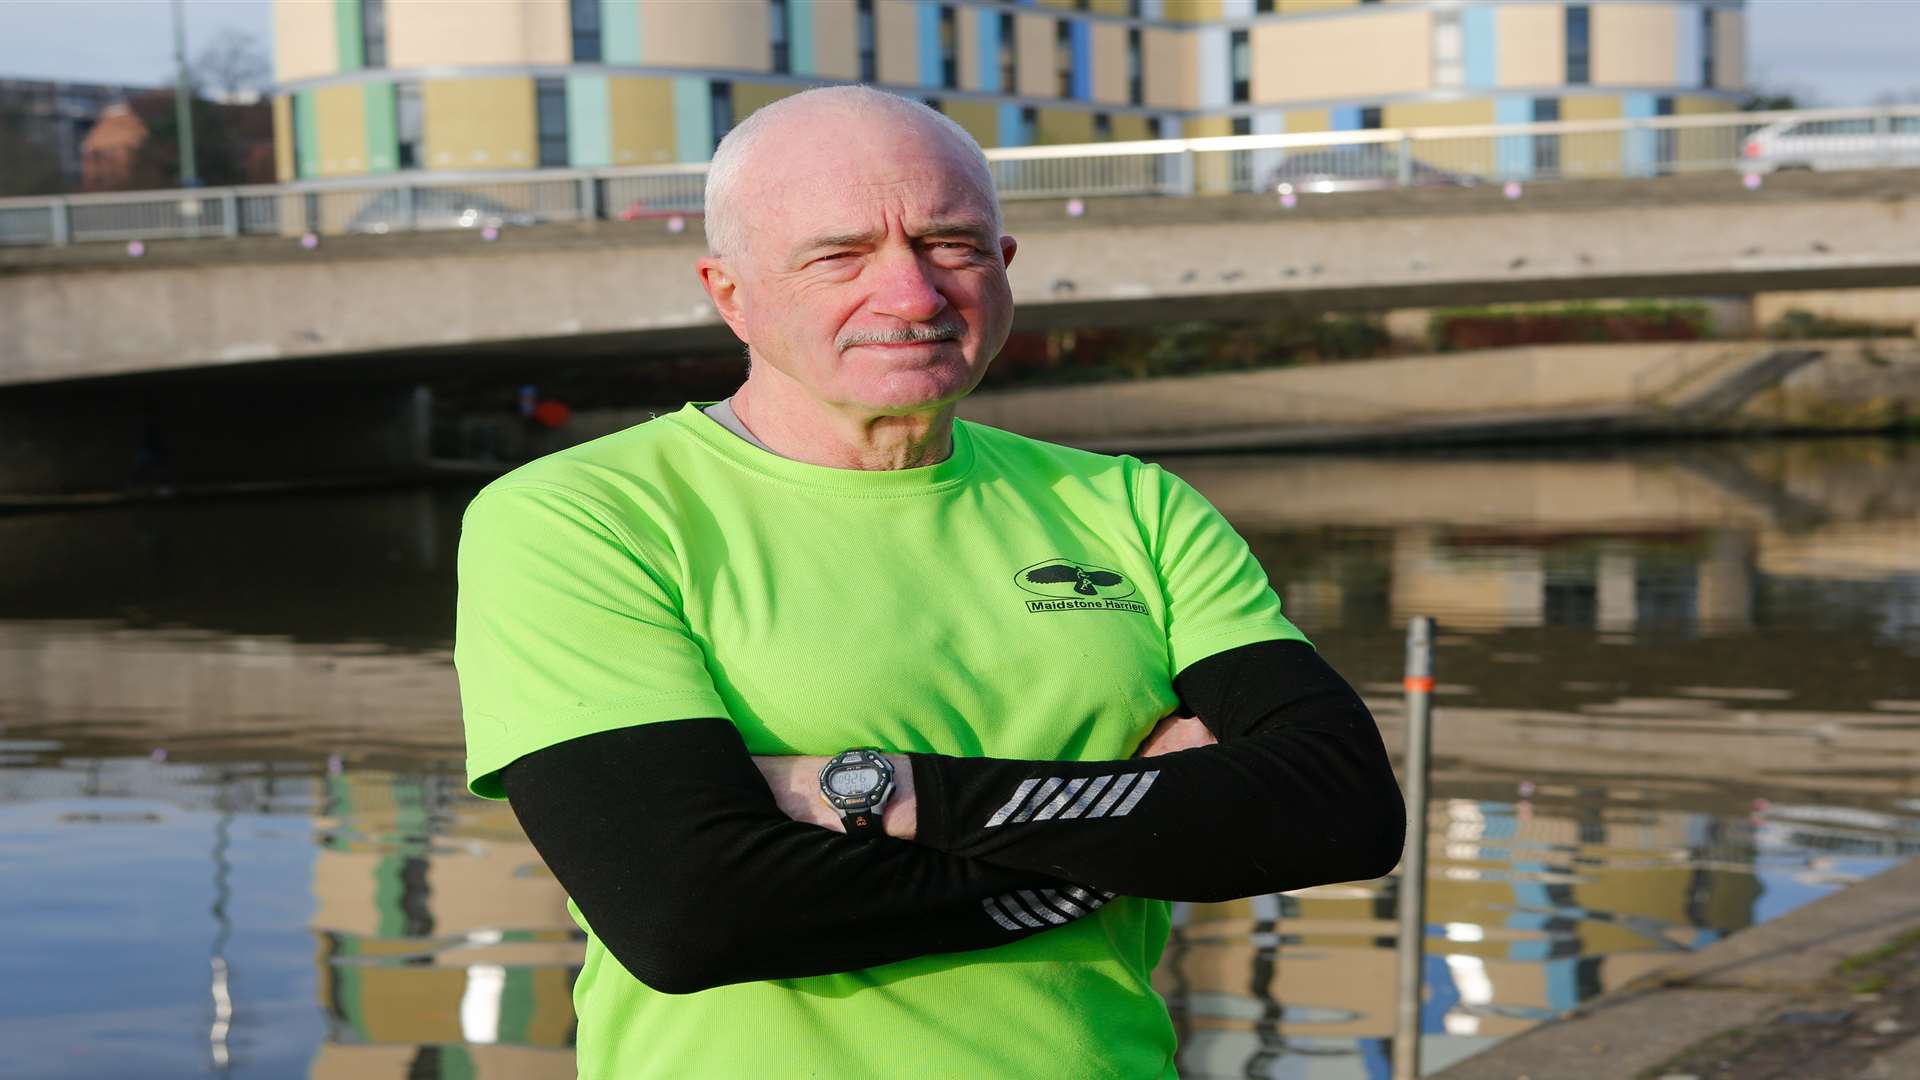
[[724, 232]]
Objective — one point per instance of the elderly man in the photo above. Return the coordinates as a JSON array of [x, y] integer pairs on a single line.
[[865, 741]]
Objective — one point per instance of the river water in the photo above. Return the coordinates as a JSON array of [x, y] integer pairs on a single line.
[[1679, 691]]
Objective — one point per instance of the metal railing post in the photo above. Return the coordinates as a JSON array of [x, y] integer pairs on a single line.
[[60, 222], [1883, 136], [409, 207], [229, 213], [589, 197], [1412, 950], [1404, 178], [1189, 168]]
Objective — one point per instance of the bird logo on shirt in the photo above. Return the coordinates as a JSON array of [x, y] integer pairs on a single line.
[[1064, 578]]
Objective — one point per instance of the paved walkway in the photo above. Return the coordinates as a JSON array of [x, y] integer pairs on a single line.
[[1539, 393], [1829, 991]]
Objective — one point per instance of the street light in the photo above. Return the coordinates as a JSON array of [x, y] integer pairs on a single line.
[[183, 98]]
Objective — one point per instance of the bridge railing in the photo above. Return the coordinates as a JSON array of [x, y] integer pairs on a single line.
[[1287, 164]]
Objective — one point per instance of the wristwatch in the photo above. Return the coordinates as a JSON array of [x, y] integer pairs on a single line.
[[856, 783]]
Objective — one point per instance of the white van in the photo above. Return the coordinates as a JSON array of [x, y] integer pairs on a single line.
[[1853, 143]]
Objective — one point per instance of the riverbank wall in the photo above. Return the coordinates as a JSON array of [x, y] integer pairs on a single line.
[[1536, 393], [1826, 990]]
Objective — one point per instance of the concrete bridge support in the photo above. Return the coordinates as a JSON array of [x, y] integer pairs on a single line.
[[112, 438]]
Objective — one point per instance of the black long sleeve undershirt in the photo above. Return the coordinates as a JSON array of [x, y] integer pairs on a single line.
[[1298, 792], [668, 840]]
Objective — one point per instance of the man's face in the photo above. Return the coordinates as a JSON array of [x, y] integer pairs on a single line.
[[872, 271]]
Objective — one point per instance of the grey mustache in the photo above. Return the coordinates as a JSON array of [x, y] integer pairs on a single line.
[[906, 335]]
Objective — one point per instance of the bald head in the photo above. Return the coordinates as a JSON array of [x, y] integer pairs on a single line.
[[750, 157]]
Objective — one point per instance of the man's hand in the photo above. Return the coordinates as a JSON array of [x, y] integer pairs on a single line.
[[1175, 732], [795, 783]]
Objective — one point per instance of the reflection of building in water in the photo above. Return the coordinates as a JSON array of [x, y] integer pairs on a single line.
[[1687, 582], [443, 945], [1691, 544], [1534, 910]]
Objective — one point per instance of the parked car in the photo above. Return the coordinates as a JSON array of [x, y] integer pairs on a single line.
[[1853, 143], [434, 208], [1355, 167]]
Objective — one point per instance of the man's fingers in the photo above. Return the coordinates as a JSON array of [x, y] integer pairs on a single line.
[[1174, 733]]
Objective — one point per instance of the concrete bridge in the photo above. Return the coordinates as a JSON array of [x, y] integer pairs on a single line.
[[219, 361], [425, 302]]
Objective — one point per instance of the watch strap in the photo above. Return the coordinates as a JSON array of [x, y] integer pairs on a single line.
[[863, 824]]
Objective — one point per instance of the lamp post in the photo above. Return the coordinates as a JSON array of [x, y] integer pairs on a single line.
[[183, 98]]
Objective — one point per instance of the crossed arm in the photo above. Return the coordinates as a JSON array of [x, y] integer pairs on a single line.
[[717, 884]]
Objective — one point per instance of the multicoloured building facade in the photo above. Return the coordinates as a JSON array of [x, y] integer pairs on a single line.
[[376, 86]]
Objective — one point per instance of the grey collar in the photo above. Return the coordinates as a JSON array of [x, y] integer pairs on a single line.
[[723, 414]]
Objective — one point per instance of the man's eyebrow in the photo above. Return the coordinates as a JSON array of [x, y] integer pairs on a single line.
[[955, 227], [833, 240]]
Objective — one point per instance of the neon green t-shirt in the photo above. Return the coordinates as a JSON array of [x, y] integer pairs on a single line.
[[672, 570]]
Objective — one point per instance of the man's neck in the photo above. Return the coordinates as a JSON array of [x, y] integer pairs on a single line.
[[795, 425]]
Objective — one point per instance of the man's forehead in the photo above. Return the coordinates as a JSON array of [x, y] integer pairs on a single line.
[[832, 172], [813, 209]]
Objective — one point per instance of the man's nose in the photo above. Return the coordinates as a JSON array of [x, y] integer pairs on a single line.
[[906, 288]]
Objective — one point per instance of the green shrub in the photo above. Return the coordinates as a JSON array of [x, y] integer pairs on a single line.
[[1552, 324], [1798, 324]]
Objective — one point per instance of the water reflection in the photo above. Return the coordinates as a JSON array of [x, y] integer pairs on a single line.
[[1678, 696]]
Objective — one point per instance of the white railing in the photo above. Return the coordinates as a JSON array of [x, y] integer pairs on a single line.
[[1291, 165]]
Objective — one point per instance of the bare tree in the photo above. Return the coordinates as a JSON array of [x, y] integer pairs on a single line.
[[232, 61], [27, 165]]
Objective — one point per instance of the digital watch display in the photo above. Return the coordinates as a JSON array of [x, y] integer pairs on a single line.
[[856, 784]]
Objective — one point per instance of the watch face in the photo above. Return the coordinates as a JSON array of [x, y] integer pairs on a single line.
[[855, 781]]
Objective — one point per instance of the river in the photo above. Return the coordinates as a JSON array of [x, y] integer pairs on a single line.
[[1678, 695]]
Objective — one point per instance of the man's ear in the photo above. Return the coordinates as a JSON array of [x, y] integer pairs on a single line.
[[1008, 245], [724, 291]]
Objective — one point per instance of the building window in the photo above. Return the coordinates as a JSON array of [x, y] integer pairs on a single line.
[[1370, 118], [1029, 125], [373, 33], [777, 34], [586, 29], [1243, 125], [1102, 127], [301, 167], [949, 48], [1449, 49], [550, 114], [1706, 46], [863, 22], [1136, 78], [720, 97], [1133, 9], [1579, 46], [931, 103], [1063, 57], [1666, 142], [1263, 7], [408, 123], [1240, 64], [1009, 56], [1546, 148]]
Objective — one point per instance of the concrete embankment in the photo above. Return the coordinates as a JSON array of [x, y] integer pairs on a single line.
[[1539, 393], [1830, 990]]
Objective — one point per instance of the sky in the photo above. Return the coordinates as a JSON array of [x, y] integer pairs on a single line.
[[1828, 52]]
